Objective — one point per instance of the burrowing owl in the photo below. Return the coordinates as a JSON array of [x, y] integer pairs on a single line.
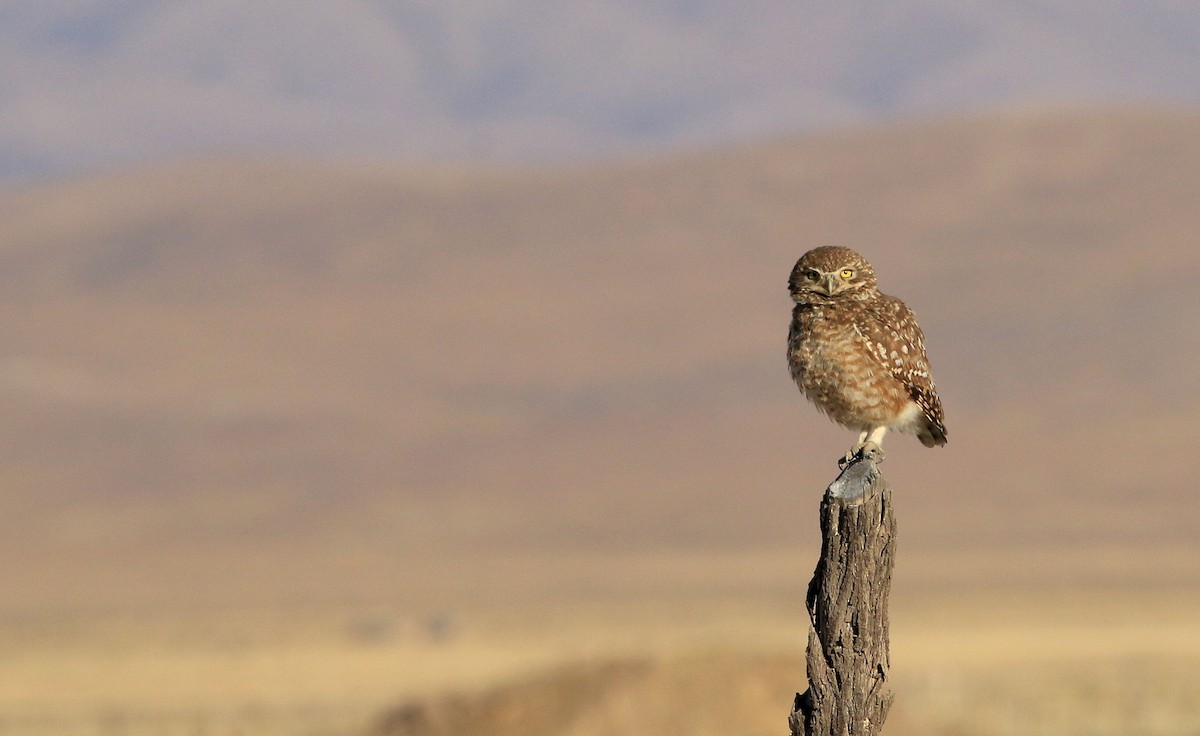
[[859, 355]]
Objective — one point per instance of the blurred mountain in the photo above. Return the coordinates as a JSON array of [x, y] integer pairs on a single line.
[[103, 83], [229, 380]]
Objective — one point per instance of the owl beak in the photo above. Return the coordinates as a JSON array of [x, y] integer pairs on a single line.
[[831, 283]]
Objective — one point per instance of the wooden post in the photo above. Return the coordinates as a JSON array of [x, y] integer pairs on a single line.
[[848, 692]]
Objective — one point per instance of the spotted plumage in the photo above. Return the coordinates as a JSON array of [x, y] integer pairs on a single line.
[[858, 354]]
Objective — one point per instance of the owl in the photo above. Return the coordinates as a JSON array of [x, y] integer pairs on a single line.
[[858, 354]]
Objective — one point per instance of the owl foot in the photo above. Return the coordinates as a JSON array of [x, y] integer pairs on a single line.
[[862, 451]]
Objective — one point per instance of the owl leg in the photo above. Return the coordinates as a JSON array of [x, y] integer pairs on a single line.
[[875, 437], [869, 445]]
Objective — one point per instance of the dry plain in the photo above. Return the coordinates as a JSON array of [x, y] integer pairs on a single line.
[[290, 446]]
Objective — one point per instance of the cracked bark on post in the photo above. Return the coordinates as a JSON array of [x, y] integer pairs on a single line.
[[848, 693]]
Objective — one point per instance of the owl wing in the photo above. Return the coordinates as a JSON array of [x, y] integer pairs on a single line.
[[896, 345], [801, 324]]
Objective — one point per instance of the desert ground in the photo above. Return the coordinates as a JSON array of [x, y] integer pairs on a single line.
[[988, 663]]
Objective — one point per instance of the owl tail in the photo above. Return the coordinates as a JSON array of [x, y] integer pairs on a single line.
[[933, 434]]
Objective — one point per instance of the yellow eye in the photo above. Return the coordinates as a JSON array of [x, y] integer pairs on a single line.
[[847, 273]]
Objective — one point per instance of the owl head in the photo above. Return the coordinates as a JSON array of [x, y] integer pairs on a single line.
[[831, 272]]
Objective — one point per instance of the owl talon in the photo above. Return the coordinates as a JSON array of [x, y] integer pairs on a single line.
[[845, 460], [862, 451], [871, 451]]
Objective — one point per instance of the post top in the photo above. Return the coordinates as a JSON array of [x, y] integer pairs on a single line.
[[857, 481]]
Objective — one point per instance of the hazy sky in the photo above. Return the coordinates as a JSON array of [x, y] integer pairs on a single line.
[[104, 83]]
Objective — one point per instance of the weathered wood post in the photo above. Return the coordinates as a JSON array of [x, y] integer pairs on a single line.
[[848, 693]]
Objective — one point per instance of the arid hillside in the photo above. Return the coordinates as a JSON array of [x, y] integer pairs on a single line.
[[265, 381]]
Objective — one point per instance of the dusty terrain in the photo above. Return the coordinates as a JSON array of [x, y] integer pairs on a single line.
[[987, 664], [287, 446]]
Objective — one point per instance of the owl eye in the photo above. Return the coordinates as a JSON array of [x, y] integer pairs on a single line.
[[812, 275], [847, 273]]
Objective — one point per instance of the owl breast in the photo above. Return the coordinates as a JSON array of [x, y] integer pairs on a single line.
[[829, 361]]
